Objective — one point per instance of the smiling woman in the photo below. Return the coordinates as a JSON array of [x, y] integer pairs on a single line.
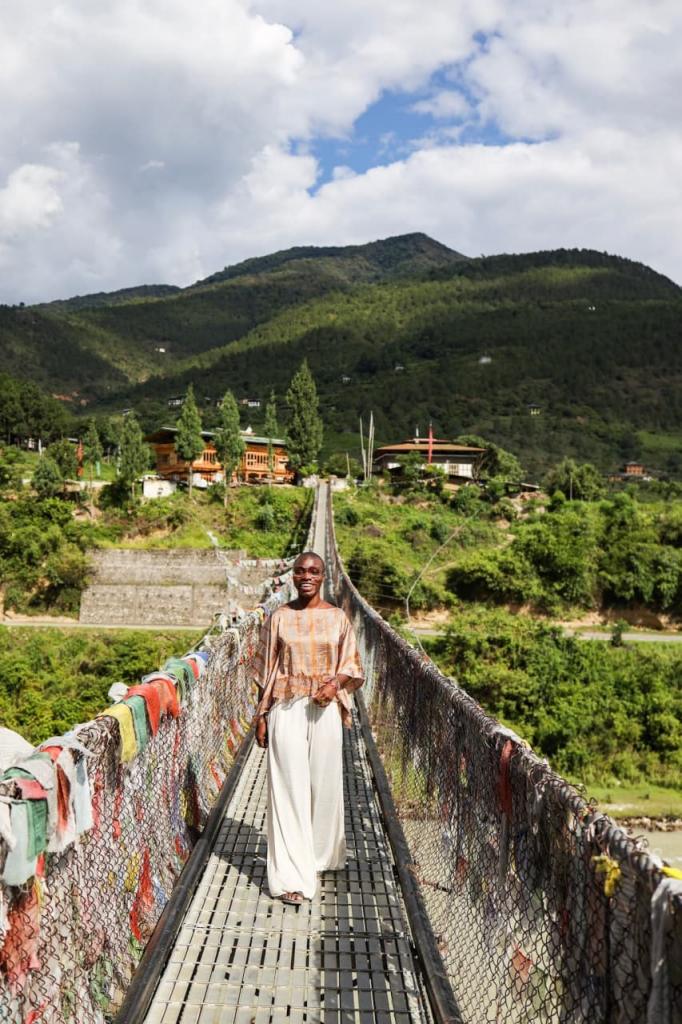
[[309, 665]]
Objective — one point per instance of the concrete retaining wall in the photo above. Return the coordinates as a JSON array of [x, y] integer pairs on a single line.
[[184, 587]]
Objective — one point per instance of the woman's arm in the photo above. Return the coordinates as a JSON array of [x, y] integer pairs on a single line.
[[329, 689]]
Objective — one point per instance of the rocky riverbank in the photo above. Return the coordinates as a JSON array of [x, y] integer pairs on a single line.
[[645, 824]]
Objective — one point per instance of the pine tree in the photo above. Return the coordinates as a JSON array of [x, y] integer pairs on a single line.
[[134, 453], [304, 435], [188, 441], [228, 440], [271, 431], [92, 450]]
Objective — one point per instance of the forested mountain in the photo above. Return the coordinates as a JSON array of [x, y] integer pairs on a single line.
[[403, 256], [405, 327], [143, 291]]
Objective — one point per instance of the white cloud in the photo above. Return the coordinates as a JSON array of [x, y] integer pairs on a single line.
[[30, 200], [151, 140], [444, 104]]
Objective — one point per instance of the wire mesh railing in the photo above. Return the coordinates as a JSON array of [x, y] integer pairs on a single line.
[[75, 916], [542, 909]]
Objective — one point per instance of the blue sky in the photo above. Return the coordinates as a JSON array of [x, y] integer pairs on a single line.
[[394, 127], [146, 142]]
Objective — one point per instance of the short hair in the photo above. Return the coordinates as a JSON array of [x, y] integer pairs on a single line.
[[311, 554]]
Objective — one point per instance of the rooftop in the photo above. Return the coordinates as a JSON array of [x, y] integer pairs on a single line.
[[167, 434], [422, 444]]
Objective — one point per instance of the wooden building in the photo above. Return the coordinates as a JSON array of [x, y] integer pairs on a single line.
[[207, 469], [460, 462], [632, 472]]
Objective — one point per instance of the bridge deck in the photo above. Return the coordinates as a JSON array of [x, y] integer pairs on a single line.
[[345, 956]]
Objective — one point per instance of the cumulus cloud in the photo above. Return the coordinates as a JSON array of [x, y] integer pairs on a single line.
[[148, 140], [29, 200], [444, 104]]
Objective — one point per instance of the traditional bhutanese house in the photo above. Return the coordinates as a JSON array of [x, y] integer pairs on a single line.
[[459, 462], [207, 469], [632, 472]]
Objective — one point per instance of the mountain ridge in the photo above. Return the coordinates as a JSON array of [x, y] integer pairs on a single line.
[[404, 326]]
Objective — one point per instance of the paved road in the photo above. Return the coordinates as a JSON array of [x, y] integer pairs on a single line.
[[586, 634], [640, 638]]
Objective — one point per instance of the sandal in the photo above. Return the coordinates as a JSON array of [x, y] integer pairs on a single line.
[[295, 899]]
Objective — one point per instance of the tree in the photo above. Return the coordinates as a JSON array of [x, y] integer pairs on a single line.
[[228, 440], [134, 455], [110, 434], [64, 454], [304, 435], [497, 464], [47, 479], [578, 481], [92, 451], [188, 441], [271, 431]]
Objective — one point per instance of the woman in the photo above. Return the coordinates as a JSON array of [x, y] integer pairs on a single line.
[[309, 666]]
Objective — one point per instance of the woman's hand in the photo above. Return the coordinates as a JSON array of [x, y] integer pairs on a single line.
[[262, 732], [326, 693]]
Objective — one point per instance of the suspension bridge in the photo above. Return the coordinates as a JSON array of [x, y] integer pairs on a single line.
[[480, 887]]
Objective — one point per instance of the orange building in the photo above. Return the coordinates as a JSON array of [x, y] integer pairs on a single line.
[[207, 469]]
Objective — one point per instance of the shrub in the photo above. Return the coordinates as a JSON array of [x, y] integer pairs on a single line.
[[494, 575], [348, 516], [467, 501]]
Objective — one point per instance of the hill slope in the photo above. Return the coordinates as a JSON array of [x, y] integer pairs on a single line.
[[402, 256], [423, 333]]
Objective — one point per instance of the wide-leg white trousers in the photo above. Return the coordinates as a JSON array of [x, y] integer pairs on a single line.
[[305, 824]]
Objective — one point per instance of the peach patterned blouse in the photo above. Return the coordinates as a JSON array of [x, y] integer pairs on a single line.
[[300, 648]]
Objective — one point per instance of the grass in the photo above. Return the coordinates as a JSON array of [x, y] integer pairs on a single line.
[[396, 538], [659, 442], [265, 522], [641, 800]]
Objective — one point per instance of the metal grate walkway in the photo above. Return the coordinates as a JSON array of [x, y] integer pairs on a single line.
[[243, 957]]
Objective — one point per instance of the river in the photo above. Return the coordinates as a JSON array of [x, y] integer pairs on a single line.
[[667, 844]]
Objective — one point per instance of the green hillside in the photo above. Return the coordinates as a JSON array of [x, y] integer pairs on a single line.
[[423, 333], [78, 302], [405, 255]]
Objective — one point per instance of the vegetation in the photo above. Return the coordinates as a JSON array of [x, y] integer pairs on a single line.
[[271, 430], [386, 540], [43, 565], [582, 482], [45, 535], [188, 440], [615, 553], [422, 333], [26, 411], [554, 690], [228, 441], [51, 679], [605, 713], [47, 479], [304, 435], [134, 454], [268, 522], [92, 451]]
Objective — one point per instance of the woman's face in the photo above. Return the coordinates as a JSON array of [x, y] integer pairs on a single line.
[[308, 576]]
